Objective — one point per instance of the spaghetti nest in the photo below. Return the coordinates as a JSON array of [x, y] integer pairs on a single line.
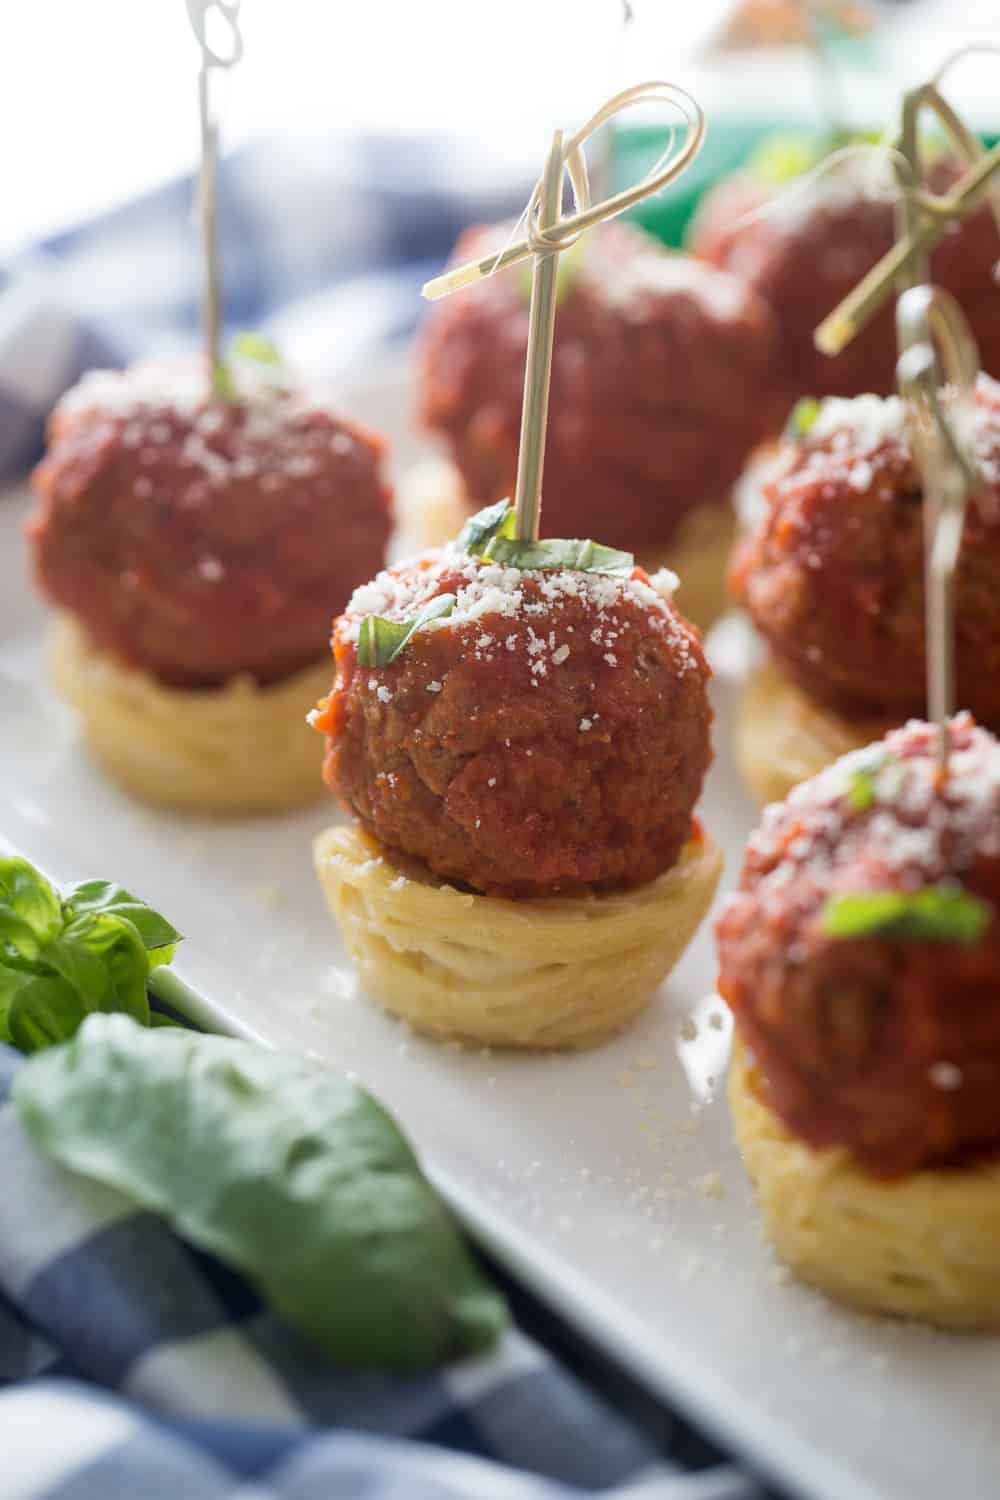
[[782, 738], [237, 749], [557, 971], [923, 1246], [432, 508]]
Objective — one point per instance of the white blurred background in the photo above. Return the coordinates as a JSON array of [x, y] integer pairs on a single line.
[[99, 95]]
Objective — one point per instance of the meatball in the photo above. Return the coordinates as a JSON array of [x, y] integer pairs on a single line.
[[200, 538], [833, 573], [888, 1045], [550, 734], [656, 376], [805, 255]]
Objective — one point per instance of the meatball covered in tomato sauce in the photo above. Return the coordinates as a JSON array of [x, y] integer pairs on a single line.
[[657, 375], [550, 734], [832, 573], [803, 255], [861, 952], [200, 538]]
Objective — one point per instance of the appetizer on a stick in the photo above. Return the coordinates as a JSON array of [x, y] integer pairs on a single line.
[[192, 543], [521, 730], [832, 576], [658, 371], [521, 727], [861, 958]]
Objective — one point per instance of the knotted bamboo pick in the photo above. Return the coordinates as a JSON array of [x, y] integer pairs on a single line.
[[924, 218], [212, 60], [547, 233], [936, 373]]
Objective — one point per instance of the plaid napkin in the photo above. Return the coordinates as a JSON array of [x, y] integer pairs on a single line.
[[132, 1364], [324, 246]]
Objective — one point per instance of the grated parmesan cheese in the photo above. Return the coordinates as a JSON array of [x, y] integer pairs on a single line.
[[264, 435], [488, 593]]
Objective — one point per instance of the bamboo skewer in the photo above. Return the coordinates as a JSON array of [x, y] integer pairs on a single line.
[[939, 354], [668, 166], [538, 362], [924, 218], [548, 232], [206, 199]]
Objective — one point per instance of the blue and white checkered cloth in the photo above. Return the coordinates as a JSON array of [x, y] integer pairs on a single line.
[[324, 245], [130, 1364]]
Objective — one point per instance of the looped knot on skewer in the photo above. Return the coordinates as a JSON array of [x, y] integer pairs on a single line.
[[213, 60], [926, 216], [545, 239], [229, 12], [548, 233]]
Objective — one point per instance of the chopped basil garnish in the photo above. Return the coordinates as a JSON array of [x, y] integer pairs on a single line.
[[62, 958], [937, 914], [254, 346], [480, 529], [380, 641], [802, 418], [489, 534], [581, 556], [861, 783]]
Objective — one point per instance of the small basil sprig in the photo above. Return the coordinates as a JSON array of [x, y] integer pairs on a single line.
[[489, 534], [942, 913], [255, 346], [553, 552], [248, 346], [281, 1168], [862, 779], [481, 529], [380, 641], [63, 957], [802, 418]]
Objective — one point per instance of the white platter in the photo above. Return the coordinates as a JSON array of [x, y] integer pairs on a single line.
[[608, 1180]]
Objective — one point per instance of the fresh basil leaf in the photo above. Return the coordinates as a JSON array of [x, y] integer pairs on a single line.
[[109, 958], [802, 418], [581, 556], [81, 969], [103, 896], [255, 346], [11, 981], [30, 910], [480, 529], [936, 914], [380, 641], [44, 1011], [285, 1171], [157, 956]]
